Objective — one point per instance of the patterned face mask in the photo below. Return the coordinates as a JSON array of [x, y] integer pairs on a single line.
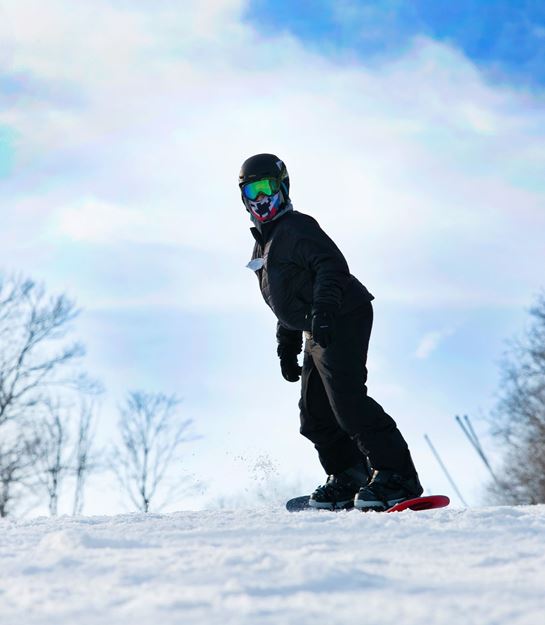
[[266, 208]]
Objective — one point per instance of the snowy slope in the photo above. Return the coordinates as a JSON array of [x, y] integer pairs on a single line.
[[447, 567]]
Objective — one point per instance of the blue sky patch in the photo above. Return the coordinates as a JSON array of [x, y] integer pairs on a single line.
[[26, 87], [505, 37], [7, 137]]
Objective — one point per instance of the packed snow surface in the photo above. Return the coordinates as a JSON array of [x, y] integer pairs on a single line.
[[446, 567]]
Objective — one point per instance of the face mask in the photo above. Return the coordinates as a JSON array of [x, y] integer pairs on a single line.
[[266, 208]]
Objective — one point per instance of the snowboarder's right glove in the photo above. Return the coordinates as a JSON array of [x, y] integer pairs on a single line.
[[291, 371], [323, 327], [290, 343]]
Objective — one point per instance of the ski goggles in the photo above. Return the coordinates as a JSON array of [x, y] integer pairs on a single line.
[[267, 186]]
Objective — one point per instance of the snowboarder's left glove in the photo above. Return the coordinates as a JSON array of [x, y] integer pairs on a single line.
[[323, 328]]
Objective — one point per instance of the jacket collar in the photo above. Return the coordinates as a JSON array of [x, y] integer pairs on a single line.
[[257, 235], [262, 233]]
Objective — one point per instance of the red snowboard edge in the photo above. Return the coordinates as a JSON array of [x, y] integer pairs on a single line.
[[421, 503]]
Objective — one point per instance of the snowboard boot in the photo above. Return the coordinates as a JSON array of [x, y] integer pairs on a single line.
[[339, 490], [385, 489]]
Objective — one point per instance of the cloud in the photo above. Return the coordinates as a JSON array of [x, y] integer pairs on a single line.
[[6, 151], [426, 175], [504, 38], [431, 341], [99, 222]]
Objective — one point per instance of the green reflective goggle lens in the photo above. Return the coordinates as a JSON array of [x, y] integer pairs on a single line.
[[268, 186]]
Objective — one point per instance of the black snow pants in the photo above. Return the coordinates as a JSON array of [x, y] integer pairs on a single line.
[[337, 414]]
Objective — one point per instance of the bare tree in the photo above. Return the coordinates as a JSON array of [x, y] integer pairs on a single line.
[[85, 459], [35, 362], [519, 419], [64, 449], [151, 434], [31, 359], [51, 463], [16, 470]]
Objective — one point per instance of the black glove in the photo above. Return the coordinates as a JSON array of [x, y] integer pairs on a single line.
[[291, 370], [290, 343], [323, 328]]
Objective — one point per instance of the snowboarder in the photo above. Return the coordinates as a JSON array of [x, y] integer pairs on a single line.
[[305, 280]]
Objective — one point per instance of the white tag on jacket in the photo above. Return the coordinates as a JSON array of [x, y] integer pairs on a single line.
[[256, 264]]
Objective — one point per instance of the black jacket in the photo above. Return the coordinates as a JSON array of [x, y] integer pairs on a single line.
[[303, 272]]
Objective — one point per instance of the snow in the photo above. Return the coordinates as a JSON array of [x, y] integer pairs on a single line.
[[439, 567]]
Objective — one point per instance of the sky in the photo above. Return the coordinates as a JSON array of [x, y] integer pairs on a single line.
[[504, 38], [413, 132]]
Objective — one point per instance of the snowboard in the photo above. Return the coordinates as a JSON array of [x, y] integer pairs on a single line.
[[297, 504]]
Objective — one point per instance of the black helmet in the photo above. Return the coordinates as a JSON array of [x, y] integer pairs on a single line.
[[266, 206], [264, 166]]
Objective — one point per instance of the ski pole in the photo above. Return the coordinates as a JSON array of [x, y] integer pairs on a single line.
[[445, 471]]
